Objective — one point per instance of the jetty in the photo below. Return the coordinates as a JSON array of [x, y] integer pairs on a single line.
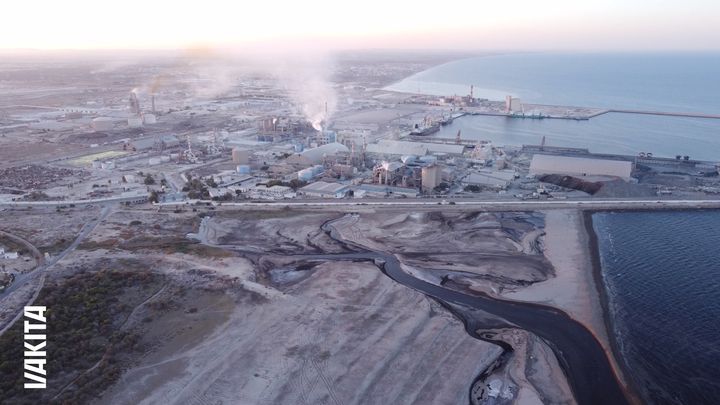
[[665, 113]]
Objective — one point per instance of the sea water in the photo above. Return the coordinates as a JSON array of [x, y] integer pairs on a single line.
[[671, 82], [662, 274]]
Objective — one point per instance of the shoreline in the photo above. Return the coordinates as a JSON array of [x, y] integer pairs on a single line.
[[624, 376], [576, 288], [387, 87]]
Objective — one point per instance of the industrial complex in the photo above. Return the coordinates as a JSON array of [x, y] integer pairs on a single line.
[[191, 215]]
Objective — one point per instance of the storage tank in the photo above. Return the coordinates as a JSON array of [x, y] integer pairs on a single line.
[[243, 169], [149, 118], [154, 161], [134, 122]]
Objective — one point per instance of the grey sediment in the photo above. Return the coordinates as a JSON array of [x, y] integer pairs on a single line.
[[583, 359]]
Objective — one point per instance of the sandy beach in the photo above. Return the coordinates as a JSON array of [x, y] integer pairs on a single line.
[[570, 246], [573, 288]]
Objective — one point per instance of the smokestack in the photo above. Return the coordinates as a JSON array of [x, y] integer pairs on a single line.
[[152, 100], [134, 103]]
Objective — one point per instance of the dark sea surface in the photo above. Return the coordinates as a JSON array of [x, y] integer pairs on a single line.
[[675, 82], [662, 274]]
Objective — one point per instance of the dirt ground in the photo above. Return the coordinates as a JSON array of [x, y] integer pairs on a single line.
[[245, 319]]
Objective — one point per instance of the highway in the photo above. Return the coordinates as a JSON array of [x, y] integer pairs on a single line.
[[479, 204], [445, 204]]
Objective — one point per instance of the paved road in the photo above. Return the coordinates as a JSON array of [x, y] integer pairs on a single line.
[[490, 204], [76, 203], [619, 204]]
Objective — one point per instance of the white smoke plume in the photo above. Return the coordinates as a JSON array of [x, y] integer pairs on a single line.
[[304, 75], [307, 79]]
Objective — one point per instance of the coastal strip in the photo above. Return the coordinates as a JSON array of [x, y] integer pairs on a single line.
[[618, 362], [583, 358]]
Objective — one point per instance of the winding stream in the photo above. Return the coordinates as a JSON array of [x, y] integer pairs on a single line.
[[579, 353]]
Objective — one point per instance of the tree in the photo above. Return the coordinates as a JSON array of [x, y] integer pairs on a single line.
[[149, 180], [154, 197]]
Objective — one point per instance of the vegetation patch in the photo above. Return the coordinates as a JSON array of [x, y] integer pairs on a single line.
[[88, 342]]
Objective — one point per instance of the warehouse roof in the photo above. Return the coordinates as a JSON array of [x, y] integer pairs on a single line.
[[391, 147], [315, 155], [553, 164], [322, 187]]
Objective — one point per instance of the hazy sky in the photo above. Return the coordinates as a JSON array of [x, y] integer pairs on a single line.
[[474, 24]]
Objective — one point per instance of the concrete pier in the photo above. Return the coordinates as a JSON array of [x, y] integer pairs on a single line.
[[665, 113]]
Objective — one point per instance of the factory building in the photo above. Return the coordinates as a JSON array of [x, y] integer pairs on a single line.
[[103, 124], [578, 166], [431, 177], [326, 137], [273, 192], [160, 142], [490, 179], [402, 148], [513, 105], [377, 190], [315, 156], [240, 156], [310, 173], [388, 173], [321, 189], [388, 148]]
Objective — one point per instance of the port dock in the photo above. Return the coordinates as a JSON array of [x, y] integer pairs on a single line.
[[665, 113]]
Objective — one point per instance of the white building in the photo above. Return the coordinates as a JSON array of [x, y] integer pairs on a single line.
[[321, 189], [578, 166], [493, 179], [315, 156], [391, 147], [378, 190], [8, 255], [431, 177]]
